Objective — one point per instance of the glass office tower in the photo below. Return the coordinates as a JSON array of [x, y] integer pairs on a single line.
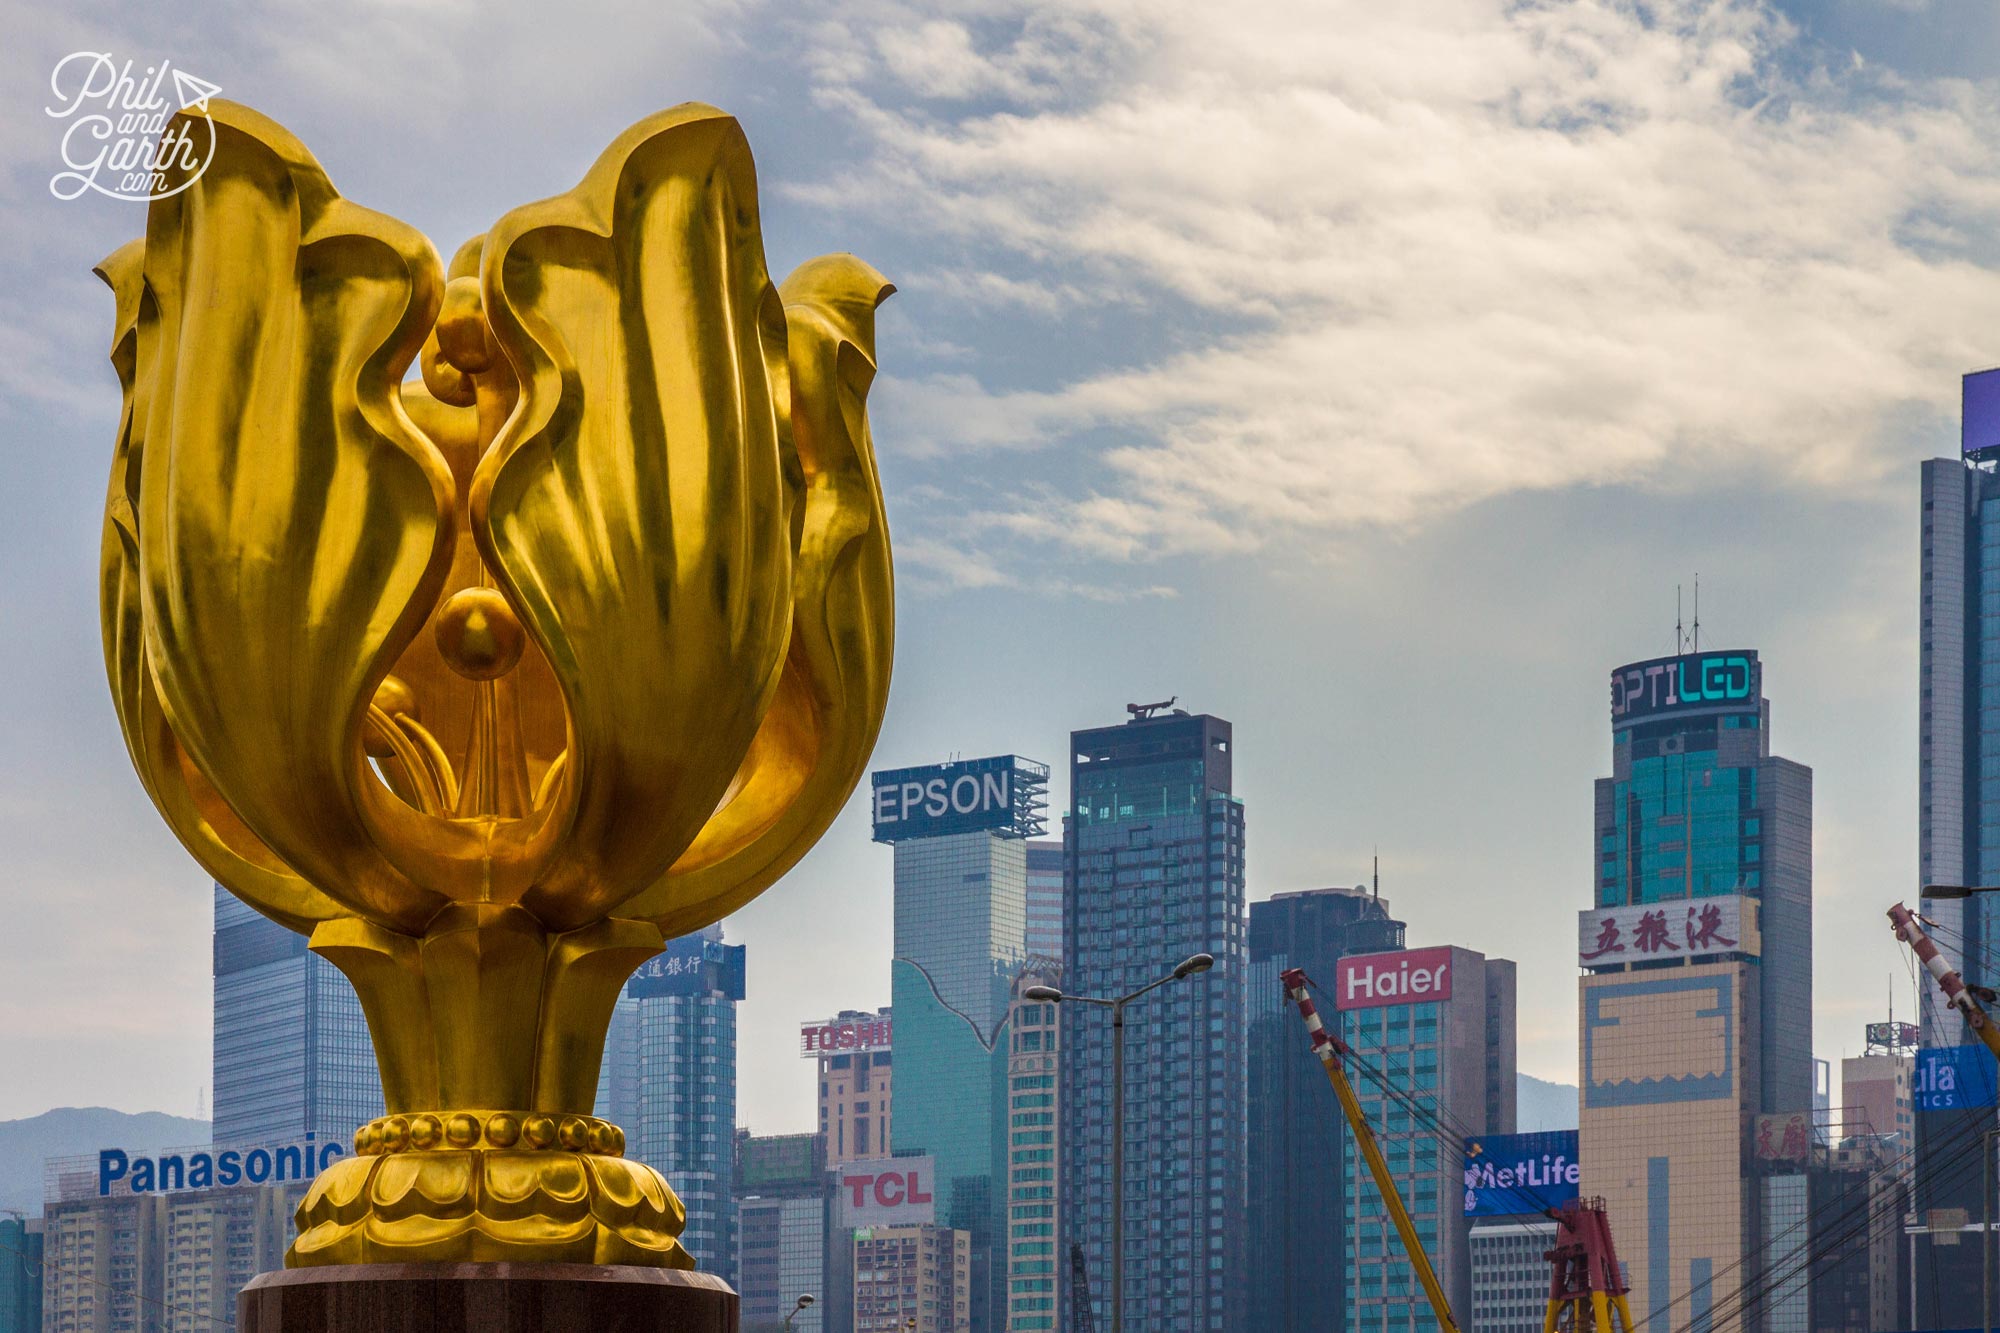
[[960, 833], [1155, 847], [669, 1081], [292, 1054], [1045, 900], [1298, 1140], [1958, 834], [1697, 989]]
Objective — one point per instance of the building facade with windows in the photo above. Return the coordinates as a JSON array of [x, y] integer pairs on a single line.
[[292, 1054], [960, 833], [1035, 1268], [669, 1081], [20, 1274], [1154, 843], [1510, 1276], [783, 1210], [1298, 1139], [1696, 998], [912, 1279], [1958, 819], [1045, 899], [1437, 1025], [856, 1106]]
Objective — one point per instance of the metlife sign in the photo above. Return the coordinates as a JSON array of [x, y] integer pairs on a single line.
[[1690, 683], [1511, 1174], [934, 800]]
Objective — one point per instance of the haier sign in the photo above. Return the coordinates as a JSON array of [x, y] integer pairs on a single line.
[[937, 799], [1509, 1174], [1410, 976]]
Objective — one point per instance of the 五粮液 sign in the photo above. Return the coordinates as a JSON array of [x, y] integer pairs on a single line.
[[1003, 792], [1680, 928], [1955, 1078], [1729, 679], [1512, 1174]]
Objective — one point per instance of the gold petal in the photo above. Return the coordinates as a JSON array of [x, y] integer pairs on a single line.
[[633, 507], [291, 525], [815, 741]]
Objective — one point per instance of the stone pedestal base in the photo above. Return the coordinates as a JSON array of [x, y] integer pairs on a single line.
[[485, 1298]]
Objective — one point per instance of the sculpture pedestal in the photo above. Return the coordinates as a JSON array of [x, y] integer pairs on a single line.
[[485, 1298]]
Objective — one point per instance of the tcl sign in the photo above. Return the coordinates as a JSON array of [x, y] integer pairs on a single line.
[[1413, 976], [889, 1191]]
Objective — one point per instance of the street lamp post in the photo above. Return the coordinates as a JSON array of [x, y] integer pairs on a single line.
[[805, 1299], [1200, 962]]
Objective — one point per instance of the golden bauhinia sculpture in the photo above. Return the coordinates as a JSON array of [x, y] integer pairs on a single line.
[[492, 682]]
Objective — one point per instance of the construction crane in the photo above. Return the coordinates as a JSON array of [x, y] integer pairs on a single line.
[[1330, 1049], [1956, 993], [1586, 1285], [1079, 1292]]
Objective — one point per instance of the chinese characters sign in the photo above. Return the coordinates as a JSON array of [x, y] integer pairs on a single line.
[[1653, 932], [691, 966], [1782, 1140]]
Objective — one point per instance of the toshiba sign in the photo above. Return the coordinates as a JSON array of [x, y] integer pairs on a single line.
[[1412, 976], [886, 1192], [836, 1036]]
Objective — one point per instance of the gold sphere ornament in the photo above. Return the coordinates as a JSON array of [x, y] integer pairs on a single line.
[[492, 678]]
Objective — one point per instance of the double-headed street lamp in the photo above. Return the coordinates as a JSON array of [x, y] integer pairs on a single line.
[[1200, 962]]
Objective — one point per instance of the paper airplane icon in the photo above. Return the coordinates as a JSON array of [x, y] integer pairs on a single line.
[[193, 91]]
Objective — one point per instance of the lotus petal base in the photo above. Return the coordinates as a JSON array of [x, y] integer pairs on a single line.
[[490, 1205]]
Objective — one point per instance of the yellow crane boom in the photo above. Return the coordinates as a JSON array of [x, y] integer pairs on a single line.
[[1329, 1049]]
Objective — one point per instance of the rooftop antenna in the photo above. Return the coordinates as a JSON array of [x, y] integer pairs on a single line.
[[1378, 874], [1680, 628], [1697, 612]]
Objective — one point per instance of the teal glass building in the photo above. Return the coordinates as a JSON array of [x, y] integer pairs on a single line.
[[20, 1275], [1697, 806], [960, 835], [1154, 842]]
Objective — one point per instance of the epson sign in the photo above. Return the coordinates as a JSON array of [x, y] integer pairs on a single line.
[[940, 799]]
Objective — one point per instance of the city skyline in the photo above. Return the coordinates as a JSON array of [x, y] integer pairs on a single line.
[[1394, 624]]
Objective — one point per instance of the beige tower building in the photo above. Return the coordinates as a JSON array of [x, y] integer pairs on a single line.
[[855, 1111]]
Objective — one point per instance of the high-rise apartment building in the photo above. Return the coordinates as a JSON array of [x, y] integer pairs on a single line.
[[912, 1279], [1045, 899], [960, 835], [292, 1054], [1696, 1002], [1958, 826], [1298, 1140], [782, 1206], [856, 1069], [1437, 1024], [1154, 842], [1877, 1093], [1034, 1233], [669, 1081]]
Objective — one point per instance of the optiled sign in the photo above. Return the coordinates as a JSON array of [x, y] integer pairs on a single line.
[[887, 1192], [1955, 1078], [1511, 1174], [933, 800], [1684, 684], [205, 1168], [1408, 976]]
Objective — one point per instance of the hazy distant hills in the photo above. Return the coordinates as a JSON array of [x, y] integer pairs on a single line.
[[80, 1129], [1543, 1105]]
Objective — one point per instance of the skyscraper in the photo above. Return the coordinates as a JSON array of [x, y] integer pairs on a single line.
[[1437, 1026], [783, 1202], [1697, 994], [669, 1081], [1034, 1234], [1298, 1141], [1154, 843], [960, 833], [856, 1083], [1958, 825], [292, 1054]]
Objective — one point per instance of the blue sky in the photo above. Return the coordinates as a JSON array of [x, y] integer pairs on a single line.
[[1370, 375]]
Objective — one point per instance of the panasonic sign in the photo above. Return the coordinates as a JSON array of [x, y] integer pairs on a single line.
[[938, 799], [205, 1168]]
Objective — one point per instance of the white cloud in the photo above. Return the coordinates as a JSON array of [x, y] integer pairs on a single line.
[[1479, 247]]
